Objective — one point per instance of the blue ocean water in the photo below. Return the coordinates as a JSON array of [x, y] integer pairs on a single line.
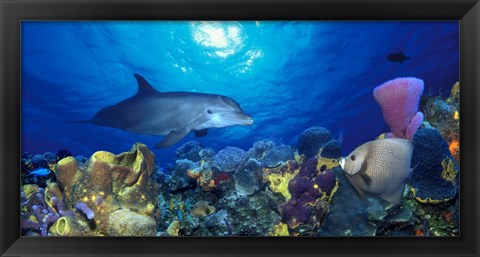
[[288, 76]]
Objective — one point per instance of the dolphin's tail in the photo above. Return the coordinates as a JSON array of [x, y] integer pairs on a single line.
[[80, 121]]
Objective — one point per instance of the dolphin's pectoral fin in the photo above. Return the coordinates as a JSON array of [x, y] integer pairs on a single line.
[[201, 133], [173, 137]]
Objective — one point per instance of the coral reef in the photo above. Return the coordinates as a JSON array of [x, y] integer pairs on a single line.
[[399, 99], [271, 189], [434, 178], [109, 195], [443, 114], [194, 151]]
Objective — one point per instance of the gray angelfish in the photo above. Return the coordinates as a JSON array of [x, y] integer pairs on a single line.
[[170, 114], [380, 167]]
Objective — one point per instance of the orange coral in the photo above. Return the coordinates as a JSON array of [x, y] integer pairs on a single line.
[[454, 147]]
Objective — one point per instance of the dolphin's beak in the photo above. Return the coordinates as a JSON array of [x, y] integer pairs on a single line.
[[240, 118], [249, 120]]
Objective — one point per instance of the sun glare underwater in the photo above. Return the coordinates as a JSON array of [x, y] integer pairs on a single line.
[[251, 128]]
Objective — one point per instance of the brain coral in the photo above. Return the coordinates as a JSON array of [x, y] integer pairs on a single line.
[[229, 159], [311, 140]]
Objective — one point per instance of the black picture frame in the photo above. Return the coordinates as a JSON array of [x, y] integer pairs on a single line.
[[14, 11]]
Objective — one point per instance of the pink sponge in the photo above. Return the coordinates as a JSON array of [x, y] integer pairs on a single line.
[[399, 99]]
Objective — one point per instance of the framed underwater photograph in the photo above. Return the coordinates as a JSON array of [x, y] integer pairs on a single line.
[[239, 128]]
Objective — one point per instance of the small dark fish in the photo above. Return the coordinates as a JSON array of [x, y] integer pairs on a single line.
[[399, 57], [41, 172]]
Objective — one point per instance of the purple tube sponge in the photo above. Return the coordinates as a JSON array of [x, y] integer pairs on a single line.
[[83, 208], [398, 99]]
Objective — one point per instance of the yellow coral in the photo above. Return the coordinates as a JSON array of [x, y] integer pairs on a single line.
[[381, 136], [454, 92], [29, 190], [33, 218], [174, 228], [328, 162], [280, 229], [449, 172], [61, 227], [426, 200], [201, 209], [279, 181], [298, 157], [52, 190]]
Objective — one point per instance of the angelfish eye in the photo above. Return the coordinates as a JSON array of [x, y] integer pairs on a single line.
[[209, 111], [352, 157]]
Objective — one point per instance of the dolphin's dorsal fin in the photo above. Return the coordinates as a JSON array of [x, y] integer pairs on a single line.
[[144, 88]]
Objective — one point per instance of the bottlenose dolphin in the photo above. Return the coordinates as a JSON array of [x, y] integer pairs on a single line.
[[170, 114]]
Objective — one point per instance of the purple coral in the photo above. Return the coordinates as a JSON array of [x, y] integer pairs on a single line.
[[326, 181], [298, 185], [296, 213], [305, 190], [83, 208], [45, 215], [308, 168], [398, 99]]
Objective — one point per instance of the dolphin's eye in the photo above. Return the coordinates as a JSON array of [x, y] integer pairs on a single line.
[[352, 157], [209, 111]]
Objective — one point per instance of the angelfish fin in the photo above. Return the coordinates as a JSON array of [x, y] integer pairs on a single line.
[[395, 197], [410, 172], [366, 178], [363, 174], [360, 192], [201, 133], [173, 137]]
